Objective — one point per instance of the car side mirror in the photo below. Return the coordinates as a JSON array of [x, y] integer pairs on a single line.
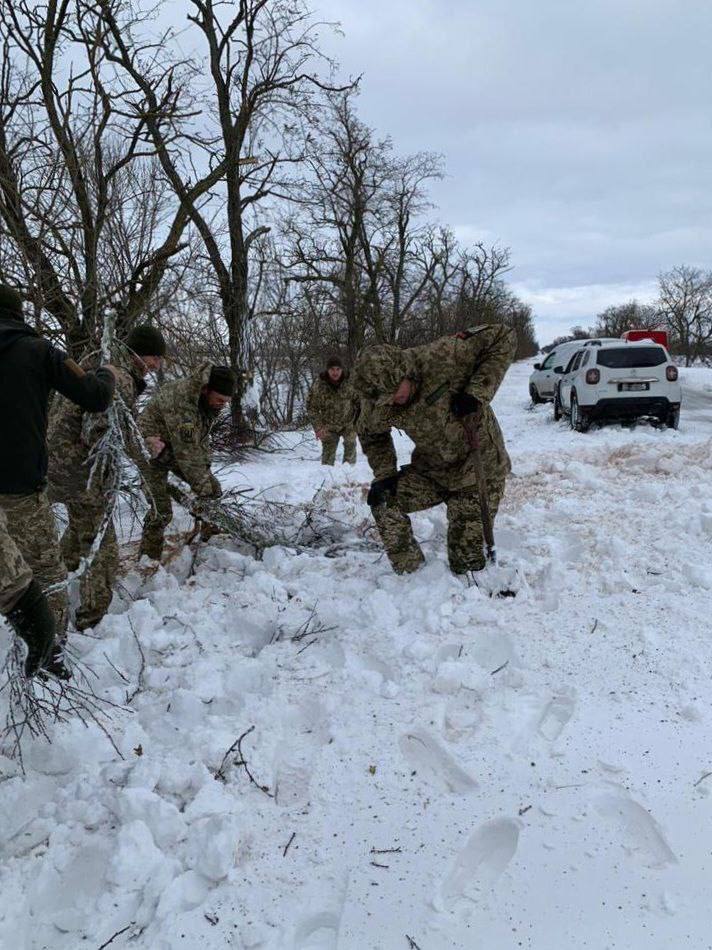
[[537, 366], [559, 369]]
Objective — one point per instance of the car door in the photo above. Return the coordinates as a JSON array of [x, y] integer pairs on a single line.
[[566, 380], [547, 379]]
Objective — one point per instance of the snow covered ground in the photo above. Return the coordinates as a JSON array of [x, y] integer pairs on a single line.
[[441, 769]]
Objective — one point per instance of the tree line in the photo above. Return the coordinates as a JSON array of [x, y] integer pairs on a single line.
[[219, 181], [683, 308]]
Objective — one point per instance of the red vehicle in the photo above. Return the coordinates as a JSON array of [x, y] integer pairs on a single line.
[[658, 336]]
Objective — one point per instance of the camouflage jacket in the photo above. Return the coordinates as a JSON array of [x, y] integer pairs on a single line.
[[332, 407], [475, 365], [175, 415], [72, 433]]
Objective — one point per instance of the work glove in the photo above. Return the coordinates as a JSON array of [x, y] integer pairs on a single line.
[[382, 491], [463, 404]]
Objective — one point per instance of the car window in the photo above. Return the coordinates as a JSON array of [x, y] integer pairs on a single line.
[[549, 361], [627, 357], [570, 368], [584, 361]]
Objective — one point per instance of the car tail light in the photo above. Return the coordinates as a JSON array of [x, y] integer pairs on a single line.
[[671, 373], [593, 376]]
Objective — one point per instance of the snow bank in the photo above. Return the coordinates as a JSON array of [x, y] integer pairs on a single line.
[[427, 762]]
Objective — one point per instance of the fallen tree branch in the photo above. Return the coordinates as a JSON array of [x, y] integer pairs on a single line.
[[35, 705], [241, 762], [117, 934]]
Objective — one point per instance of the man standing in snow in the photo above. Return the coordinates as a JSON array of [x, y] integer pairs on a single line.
[[30, 558], [72, 437], [176, 425], [434, 393], [331, 407]]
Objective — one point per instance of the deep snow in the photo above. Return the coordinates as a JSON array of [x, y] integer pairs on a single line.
[[532, 769]]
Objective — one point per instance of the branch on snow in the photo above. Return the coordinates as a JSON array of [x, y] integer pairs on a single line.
[[241, 762]]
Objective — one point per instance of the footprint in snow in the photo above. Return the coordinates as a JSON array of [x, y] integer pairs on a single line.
[[639, 833], [555, 717], [305, 731], [318, 932], [482, 861], [463, 715], [491, 649], [423, 753]]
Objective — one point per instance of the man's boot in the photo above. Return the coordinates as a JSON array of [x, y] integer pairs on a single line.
[[55, 665], [33, 621]]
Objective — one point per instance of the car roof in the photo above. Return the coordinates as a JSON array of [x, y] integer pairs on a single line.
[[630, 344], [574, 345]]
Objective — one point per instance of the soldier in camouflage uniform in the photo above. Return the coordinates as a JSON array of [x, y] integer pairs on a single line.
[[33, 597], [73, 434], [176, 425], [331, 406], [430, 392]]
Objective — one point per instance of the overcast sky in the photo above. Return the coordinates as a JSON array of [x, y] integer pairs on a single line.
[[580, 135]]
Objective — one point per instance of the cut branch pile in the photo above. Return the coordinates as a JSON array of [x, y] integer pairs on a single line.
[[261, 522]]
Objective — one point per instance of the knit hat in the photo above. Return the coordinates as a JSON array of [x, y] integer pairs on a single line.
[[146, 340], [222, 380], [334, 361], [10, 303]]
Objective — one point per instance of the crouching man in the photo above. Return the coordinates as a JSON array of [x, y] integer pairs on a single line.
[[434, 393], [331, 409], [176, 426]]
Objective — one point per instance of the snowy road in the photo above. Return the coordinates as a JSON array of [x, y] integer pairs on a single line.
[[440, 769], [696, 401]]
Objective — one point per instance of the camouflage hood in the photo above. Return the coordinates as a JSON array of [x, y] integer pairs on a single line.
[[192, 385], [379, 370]]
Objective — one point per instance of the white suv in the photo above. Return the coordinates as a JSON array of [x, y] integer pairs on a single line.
[[621, 380], [545, 377]]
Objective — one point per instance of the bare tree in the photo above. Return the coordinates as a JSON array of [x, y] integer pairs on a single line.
[[326, 238], [519, 317], [360, 229], [686, 303], [87, 223], [615, 320], [227, 129]]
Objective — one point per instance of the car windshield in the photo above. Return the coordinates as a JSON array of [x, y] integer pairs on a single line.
[[549, 361], [627, 357]]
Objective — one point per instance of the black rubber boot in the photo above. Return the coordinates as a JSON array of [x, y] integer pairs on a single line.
[[55, 666], [33, 621]]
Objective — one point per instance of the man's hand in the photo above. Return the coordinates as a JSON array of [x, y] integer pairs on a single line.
[[320, 433], [155, 445], [112, 369], [382, 491], [463, 404], [209, 530]]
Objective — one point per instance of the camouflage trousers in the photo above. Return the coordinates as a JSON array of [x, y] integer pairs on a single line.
[[160, 513], [29, 547], [96, 586], [465, 542], [330, 443]]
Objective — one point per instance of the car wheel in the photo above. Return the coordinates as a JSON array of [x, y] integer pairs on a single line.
[[673, 419], [534, 393], [558, 411], [579, 421]]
